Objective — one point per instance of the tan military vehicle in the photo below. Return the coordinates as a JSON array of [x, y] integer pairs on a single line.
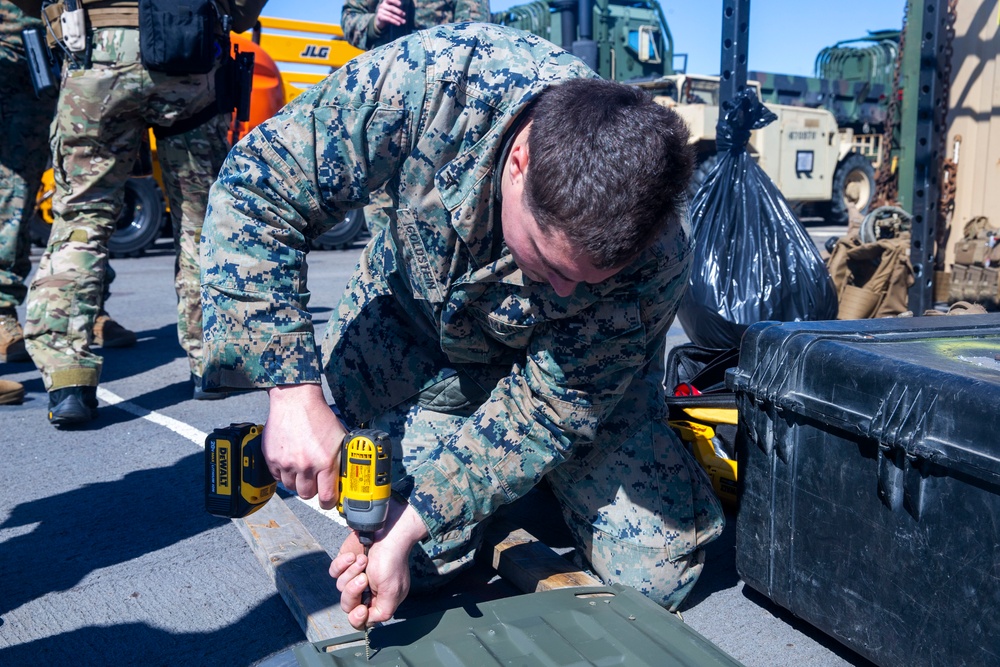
[[813, 162]]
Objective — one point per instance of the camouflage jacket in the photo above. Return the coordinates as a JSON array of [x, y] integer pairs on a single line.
[[12, 22], [358, 18], [428, 114]]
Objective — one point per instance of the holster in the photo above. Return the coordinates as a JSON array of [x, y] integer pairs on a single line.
[[233, 85]]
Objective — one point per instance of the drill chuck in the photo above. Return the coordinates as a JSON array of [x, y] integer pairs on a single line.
[[365, 471]]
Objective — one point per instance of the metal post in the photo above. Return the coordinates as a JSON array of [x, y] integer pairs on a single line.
[[585, 48], [735, 39], [922, 121], [567, 14]]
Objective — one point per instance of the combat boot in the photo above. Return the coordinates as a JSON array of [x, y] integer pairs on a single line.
[[11, 392], [72, 406], [11, 337], [108, 333]]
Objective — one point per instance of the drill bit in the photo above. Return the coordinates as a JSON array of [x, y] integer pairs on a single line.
[[366, 600]]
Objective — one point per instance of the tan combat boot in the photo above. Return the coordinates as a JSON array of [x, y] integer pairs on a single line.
[[11, 337], [108, 333], [11, 392]]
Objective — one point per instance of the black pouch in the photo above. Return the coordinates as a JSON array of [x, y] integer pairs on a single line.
[[177, 36]]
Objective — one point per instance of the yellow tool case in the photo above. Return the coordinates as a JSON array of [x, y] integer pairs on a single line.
[[703, 412]]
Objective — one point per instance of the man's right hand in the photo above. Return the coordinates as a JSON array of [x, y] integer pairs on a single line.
[[389, 12], [302, 441]]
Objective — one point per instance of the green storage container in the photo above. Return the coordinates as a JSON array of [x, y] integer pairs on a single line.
[[611, 625]]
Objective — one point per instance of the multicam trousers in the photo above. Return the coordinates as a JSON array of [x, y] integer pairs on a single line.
[[190, 163], [103, 113], [637, 504], [24, 134]]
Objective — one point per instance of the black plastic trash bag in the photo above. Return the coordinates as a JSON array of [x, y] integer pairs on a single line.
[[753, 261]]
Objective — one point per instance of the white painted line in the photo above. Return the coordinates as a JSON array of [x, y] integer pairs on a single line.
[[194, 435], [178, 427]]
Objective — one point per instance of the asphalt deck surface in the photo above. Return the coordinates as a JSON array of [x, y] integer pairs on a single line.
[[107, 556]]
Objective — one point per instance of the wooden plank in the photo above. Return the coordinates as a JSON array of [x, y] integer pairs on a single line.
[[528, 564], [299, 567]]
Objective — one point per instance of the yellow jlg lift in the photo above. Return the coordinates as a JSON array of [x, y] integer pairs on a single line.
[[319, 47]]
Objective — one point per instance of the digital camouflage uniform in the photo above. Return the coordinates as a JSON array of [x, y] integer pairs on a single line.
[[486, 381], [103, 113], [358, 21], [24, 134]]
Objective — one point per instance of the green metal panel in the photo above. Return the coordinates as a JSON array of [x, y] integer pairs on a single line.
[[870, 59], [617, 28], [536, 17], [611, 625]]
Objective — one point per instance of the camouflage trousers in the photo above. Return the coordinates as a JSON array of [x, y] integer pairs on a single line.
[[191, 162], [638, 505], [24, 151], [103, 114]]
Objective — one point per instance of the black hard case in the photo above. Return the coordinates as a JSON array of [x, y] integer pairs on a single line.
[[869, 479]]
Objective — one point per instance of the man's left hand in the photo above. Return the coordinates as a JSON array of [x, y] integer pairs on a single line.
[[385, 569]]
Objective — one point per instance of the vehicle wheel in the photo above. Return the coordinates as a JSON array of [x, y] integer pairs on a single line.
[[706, 163], [343, 234], [853, 186], [138, 225]]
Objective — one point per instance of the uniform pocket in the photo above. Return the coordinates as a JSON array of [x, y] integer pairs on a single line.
[[454, 393]]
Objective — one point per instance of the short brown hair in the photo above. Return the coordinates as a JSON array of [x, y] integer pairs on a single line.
[[607, 166]]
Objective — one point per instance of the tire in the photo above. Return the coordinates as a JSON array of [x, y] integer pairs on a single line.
[[343, 234], [853, 185], [706, 163], [141, 218], [133, 233]]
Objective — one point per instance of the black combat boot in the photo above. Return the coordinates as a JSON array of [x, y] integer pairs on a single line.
[[72, 406]]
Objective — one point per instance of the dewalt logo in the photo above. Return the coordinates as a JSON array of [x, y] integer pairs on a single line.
[[222, 461]]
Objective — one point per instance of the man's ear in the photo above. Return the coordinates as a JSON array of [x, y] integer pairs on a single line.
[[517, 161]]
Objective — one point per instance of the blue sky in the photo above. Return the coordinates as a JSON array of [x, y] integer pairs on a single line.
[[785, 35]]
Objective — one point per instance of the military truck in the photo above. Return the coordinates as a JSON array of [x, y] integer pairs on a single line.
[[815, 157], [814, 161], [853, 80]]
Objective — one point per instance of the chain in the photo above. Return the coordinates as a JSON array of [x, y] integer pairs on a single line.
[[886, 184], [949, 168], [949, 172]]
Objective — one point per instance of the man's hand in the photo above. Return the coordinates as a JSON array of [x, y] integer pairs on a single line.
[[385, 569], [389, 12], [302, 441]]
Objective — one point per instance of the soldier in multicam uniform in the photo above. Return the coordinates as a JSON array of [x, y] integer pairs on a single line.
[[24, 130], [508, 328], [371, 23], [107, 102], [24, 151]]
